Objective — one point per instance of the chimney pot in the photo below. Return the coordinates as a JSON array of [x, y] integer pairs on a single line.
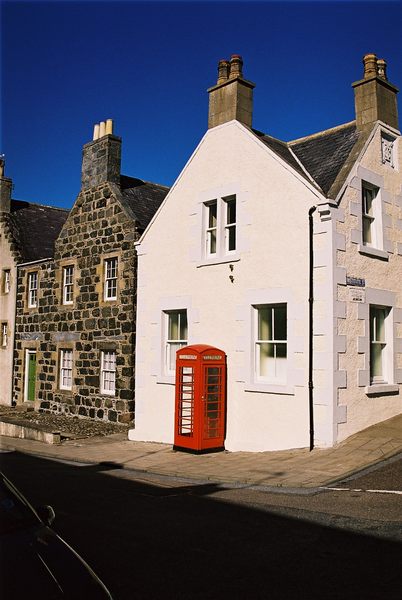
[[236, 66], [382, 68], [223, 70], [6, 185], [96, 131], [109, 127], [102, 129], [370, 65]]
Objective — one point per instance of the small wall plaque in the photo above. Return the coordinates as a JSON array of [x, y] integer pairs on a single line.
[[355, 281], [357, 295]]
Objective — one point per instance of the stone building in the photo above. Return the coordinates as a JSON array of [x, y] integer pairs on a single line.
[[287, 256], [27, 235], [76, 312]]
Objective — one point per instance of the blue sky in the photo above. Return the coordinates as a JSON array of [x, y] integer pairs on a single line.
[[147, 65]]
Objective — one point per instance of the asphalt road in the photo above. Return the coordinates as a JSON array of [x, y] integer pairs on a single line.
[[150, 537]]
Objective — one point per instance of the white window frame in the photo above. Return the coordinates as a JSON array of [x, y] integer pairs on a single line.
[[386, 354], [33, 278], [4, 335], [7, 281], [110, 282], [220, 230], [171, 345], [108, 372], [373, 216], [273, 308], [68, 284], [66, 369]]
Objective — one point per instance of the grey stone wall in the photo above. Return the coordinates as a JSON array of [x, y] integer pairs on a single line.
[[96, 229]]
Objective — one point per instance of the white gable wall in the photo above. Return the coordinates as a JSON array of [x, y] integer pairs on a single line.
[[270, 266]]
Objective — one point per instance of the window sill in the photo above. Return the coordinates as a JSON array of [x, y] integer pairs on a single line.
[[380, 389], [166, 379], [375, 252], [270, 388], [219, 260]]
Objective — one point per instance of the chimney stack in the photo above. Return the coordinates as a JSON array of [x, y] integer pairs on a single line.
[[6, 185], [375, 96], [232, 96], [101, 158]]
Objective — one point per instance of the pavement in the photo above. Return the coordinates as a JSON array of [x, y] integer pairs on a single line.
[[288, 469]]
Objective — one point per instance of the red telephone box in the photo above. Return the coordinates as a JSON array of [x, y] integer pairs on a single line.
[[200, 399]]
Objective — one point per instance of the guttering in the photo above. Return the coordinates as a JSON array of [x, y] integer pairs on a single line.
[[310, 327], [34, 262]]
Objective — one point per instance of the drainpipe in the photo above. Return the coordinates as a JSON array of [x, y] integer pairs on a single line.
[[310, 327]]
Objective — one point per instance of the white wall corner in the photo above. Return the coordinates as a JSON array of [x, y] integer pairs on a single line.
[[322, 360], [340, 379], [341, 413], [321, 258]]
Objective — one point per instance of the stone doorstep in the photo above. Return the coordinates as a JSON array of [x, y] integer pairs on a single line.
[[18, 428]]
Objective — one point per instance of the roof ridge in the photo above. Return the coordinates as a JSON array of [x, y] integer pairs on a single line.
[[321, 133], [41, 205], [145, 181]]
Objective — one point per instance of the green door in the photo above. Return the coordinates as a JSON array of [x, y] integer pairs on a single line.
[[31, 376]]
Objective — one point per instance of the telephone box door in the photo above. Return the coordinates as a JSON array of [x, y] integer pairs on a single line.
[[200, 399]]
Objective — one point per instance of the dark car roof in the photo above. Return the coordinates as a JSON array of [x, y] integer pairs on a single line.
[[34, 228]]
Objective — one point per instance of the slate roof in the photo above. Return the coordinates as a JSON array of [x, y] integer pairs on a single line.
[[35, 228], [141, 199], [324, 154], [321, 155], [281, 149]]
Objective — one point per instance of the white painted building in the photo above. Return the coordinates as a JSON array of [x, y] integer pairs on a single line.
[[288, 257]]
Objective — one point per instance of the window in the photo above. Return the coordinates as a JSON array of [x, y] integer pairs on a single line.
[[220, 227], [176, 337], [3, 335], [108, 372], [379, 366], [371, 216], [271, 343], [211, 232], [68, 284], [111, 279], [66, 369], [32, 289], [6, 281], [230, 226]]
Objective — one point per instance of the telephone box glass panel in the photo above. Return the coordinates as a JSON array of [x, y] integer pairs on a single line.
[[186, 402]]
